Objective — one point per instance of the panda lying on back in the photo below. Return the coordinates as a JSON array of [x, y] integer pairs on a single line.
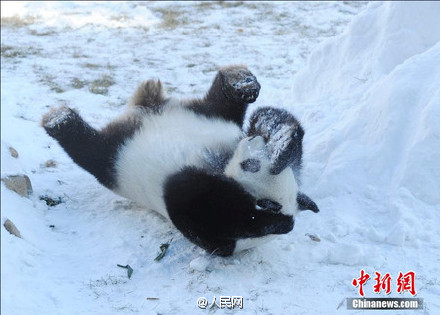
[[223, 188]]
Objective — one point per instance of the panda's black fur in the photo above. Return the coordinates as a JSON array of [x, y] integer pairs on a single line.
[[231, 215], [204, 197]]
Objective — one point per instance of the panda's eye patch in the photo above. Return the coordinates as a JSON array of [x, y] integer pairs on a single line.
[[250, 165]]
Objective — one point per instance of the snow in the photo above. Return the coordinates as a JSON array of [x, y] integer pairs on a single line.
[[367, 96], [199, 264], [75, 15], [385, 37]]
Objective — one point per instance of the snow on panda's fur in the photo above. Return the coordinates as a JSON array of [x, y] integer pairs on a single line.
[[191, 162]]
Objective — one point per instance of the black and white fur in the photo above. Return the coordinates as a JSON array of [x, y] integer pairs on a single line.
[[191, 162]]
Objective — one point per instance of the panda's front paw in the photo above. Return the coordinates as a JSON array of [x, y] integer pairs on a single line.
[[240, 85], [56, 118], [283, 135]]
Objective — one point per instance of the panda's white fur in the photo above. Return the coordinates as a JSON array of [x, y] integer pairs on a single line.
[[164, 145], [177, 138], [281, 188]]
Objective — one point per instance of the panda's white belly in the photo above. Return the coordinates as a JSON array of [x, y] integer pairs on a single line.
[[164, 144]]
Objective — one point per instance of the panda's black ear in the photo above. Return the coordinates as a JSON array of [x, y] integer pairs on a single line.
[[305, 203]]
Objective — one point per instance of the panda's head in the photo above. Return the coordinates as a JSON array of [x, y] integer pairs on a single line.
[[226, 213], [251, 167]]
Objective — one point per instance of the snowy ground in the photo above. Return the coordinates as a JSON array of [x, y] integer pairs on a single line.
[[368, 99]]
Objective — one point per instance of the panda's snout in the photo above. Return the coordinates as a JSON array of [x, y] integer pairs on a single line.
[[269, 205], [283, 227]]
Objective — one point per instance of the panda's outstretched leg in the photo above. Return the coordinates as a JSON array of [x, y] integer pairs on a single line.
[[93, 150], [232, 90], [238, 84]]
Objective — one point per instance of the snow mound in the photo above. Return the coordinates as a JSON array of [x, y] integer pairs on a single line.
[[378, 87], [77, 14], [382, 37]]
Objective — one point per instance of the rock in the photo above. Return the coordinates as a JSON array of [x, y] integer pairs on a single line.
[[51, 163], [21, 184], [13, 152], [11, 228], [313, 237]]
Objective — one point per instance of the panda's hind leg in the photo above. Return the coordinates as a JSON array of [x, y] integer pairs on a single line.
[[93, 150], [239, 84], [233, 88], [150, 96]]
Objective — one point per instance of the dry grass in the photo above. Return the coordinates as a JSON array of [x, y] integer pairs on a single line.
[[49, 80], [171, 19], [78, 54], [46, 33], [78, 83], [101, 85], [16, 21], [95, 66], [89, 65], [207, 5], [18, 52], [230, 4], [12, 52], [204, 5]]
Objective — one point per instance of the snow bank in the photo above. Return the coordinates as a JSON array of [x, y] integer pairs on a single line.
[[376, 42], [76, 14], [375, 90]]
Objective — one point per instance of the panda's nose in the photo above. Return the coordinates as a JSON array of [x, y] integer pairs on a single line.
[[269, 205], [282, 227]]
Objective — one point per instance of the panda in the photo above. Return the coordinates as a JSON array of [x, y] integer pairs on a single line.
[[224, 188]]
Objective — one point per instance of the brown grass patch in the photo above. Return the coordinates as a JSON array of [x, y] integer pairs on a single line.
[[171, 19], [101, 85], [18, 52], [16, 21], [78, 83], [49, 80]]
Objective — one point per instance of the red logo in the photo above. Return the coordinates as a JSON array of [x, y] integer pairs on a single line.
[[382, 283], [405, 282], [361, 281]]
